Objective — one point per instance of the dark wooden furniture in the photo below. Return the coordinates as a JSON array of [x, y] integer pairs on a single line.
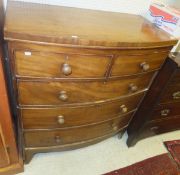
[[10, 160], [160, 109], [79, 75]]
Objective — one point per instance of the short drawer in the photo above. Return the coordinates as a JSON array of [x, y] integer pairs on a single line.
[[52, 65], [171, 94], [67, 136], [62, 117], [61, 93], [168, 110], [135, 64], [164, 125]]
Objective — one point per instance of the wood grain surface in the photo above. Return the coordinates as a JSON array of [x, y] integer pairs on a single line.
[[49, 92], [42, 118], [82, 27], [67, 136]]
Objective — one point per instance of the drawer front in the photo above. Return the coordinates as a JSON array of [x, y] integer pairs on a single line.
[[61, 93], [172, 94], [68, 136], [129, 64], [44, 118], [44, 64], [176, 78], [166, 111], [165, 125]]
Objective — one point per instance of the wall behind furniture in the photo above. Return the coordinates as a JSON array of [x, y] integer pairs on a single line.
[[124, 6]]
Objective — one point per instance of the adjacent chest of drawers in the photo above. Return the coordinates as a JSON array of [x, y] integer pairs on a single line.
[[166, 115], [79, 75], [162, 111]]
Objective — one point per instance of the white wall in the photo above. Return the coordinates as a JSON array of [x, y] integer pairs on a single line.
[[124, 6]]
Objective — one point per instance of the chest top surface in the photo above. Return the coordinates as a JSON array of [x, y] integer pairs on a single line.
[[74, 26]]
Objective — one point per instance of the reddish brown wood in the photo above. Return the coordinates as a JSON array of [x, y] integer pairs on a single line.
[[49, 92], [143, 115], [164, 125], [164, 115], [46, 138], [41, 118], [82, 66], [171, 109], [82, 27], [4, 157], [167, 97], [130, 64], [10, 160], [104, 69]]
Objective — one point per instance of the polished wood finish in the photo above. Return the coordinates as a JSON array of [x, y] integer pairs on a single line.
[[4, 157], [10, 159], [79, 75], [49, 93], [81, 66], [130, 64], [66, 25], [169, 94], [47, 118], [168, 110], [30, 152], [165, 125], [164, 114], [52, 65], [6, 120], [74, 135]]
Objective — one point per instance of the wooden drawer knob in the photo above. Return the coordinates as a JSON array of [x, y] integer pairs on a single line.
[[165, 112], [58, 139], [66, 69], [63, 96], [133, 88], [61, 119], [176, 95], [145, 66], [115, 127], [154, 128], [124, 109]]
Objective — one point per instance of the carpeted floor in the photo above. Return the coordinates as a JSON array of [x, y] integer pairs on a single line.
[[158, 165], [174, 149], [100, 158], [165, 164]]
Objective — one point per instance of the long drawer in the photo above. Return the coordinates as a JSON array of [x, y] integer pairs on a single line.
[[176, 78], [61, 117], [164, 125], [61, 93], [168, 110], [67, 136], [172, 94], [30, 63]]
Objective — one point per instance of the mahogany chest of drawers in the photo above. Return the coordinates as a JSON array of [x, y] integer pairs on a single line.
[[164, 113], [79, 75]]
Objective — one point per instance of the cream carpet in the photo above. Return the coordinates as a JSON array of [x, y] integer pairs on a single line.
[[100, 158]]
